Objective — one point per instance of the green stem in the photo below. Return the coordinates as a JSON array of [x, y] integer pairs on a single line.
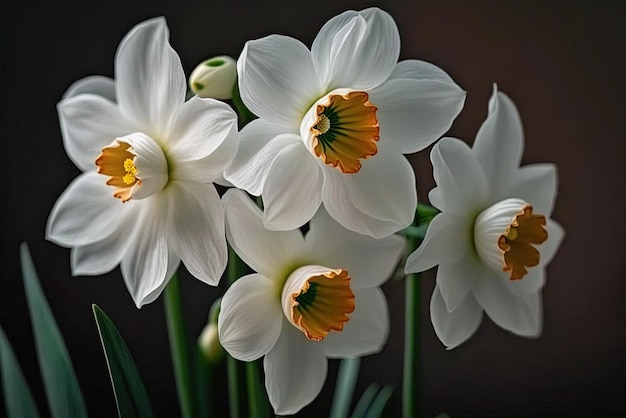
[[233, 368], [258, 406], [411, 375], [205, 391], [344, 390], [178, 347]]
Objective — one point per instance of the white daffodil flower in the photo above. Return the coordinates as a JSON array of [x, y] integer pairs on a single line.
[[146, 198], [312, 298], [494, 236], [334, 122]]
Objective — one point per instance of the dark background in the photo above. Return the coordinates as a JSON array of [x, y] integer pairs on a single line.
[[562, 62]]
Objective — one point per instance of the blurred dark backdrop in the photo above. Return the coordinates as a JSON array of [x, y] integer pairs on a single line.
[[562, 62]]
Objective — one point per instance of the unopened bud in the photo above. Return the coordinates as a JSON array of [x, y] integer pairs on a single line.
[[208, 341], [214, 78], [210, 346]]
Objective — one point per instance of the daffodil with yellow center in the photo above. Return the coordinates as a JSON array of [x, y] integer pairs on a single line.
[[335, 121], [146, 199], [312, 297], [494, 237]]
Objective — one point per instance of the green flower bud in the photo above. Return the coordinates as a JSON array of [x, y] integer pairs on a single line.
[[214, 78]]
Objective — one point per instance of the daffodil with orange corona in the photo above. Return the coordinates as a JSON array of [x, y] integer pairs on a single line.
[[494, 236], [312, 297], [335, 121]]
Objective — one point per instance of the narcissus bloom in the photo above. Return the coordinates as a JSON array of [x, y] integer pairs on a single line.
[[312, 297], [334, 122], [494, 236], [146, 198]]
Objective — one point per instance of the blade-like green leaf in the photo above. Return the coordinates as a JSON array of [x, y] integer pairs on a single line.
[[17, 398], [130, 393], [64, 396], [380, 401], [365, 401]]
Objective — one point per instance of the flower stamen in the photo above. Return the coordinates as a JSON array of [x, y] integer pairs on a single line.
[[322, 304], [345, 131], [526, 230], [117, 162], [131, 172]]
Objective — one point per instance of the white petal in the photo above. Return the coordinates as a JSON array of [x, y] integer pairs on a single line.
[[419, 70], [151, 164], [223, 182], [413, 114], [86, 212], [250, 318], [293, 190], [556, 233], [522, 315], [537, 185], [149, 77], [356, 49], [95, 84], [173, 262], [89, 123], [384, 188], [196, 232], [199, 127], [102, 256], [436, 198], [209, 169], [455, 279], [259, 144], [499, 141], [532, 282], [454, 328], [295, 371], [147, 260], [369, 261], [367, 330], [460, 180], [209, 142], [447, 240], [277, 80], [344, 211], [267, 252]]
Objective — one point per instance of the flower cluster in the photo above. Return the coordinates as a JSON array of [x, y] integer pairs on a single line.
[[326, 151]]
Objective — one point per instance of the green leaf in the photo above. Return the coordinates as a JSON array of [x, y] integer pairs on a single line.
[[17, 398], [130, 394], [64, 396], [344, 389], [380, 401], [365, 401]]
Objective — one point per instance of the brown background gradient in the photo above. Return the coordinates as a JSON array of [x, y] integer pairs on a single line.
[[562, 62]]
